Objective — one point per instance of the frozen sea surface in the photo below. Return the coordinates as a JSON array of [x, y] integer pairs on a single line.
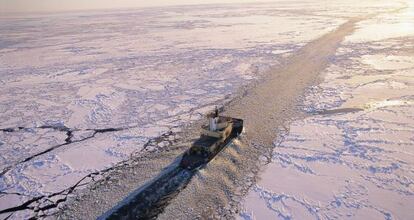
[[352, 156], [81, 92]]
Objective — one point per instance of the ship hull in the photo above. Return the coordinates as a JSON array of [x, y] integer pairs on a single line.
[[192, 161]]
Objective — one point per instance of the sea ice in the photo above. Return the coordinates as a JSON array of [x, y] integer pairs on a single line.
[[335, 163]]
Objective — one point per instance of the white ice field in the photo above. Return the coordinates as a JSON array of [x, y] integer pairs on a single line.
[[83, 91], [353, 157]]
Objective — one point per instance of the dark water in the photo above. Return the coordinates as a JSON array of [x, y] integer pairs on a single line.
[[148, 201]]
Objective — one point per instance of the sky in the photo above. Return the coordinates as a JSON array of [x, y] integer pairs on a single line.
[[10, 6]]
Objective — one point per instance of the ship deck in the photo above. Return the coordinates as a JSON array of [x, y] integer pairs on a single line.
[[205, 141]]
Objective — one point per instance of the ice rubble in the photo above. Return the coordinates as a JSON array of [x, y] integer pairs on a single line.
[[82, 92], [337, 164]]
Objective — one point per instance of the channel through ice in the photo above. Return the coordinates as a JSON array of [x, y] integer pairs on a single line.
[[81, 92], [352, 157]]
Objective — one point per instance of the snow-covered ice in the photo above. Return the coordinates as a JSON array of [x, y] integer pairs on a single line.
[[352, 157], [83, 91]]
